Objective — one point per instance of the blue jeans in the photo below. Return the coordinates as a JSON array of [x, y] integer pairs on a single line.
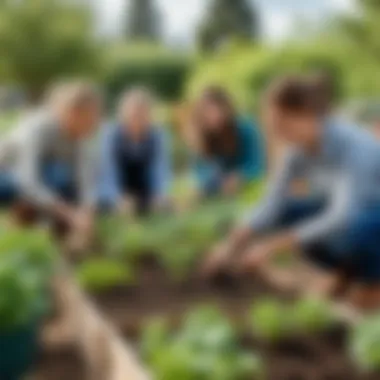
[[55, 176], [355, 249]]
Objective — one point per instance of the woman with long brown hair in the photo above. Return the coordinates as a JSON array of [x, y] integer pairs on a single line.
[[228, 149]]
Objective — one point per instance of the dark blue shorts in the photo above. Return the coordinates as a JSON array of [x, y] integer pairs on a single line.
[[358, 250]]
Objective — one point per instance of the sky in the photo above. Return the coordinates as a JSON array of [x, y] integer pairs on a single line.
[[182, 16]]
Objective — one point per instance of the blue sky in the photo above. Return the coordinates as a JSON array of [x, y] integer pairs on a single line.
[[181, 16]]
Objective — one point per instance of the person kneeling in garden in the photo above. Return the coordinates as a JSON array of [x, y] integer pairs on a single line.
[[228, 150], [135, 169], [51, 162], [336, 223]]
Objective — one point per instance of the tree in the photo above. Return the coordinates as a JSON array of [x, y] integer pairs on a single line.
[[44, 40], [228, 19], [143, 21]]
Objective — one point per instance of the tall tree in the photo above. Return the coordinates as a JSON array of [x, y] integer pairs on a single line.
[[44, 40], [226, 19], [144, 21]]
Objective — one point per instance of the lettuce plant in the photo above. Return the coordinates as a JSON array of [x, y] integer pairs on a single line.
[[269, 319], [365, 343], [311, 315], [26, 265]]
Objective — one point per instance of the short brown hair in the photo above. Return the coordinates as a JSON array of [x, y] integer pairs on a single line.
[[302, 94]]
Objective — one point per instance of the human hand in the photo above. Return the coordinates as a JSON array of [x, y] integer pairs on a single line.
[[83, 222], [216, 260], [256, 256]]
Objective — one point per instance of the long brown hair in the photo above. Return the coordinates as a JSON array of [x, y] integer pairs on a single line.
[[224, 141]]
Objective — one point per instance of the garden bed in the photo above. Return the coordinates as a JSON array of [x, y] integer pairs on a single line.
[[319, 356], [133, 288]]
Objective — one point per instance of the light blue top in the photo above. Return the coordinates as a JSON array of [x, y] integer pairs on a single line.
[[345, 172], [249, 161], [160, 174]]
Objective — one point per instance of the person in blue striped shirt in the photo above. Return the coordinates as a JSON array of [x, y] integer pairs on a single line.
[[337, 222], [228, 150], [135, 170]]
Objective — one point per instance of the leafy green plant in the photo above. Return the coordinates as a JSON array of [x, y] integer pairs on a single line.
[[101, 274], [205, 348], [26, 264], [274, 320], [311, 315], [365, 343], [178, 260], [269, 319]]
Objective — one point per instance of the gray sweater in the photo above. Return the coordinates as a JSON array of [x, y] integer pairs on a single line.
[[345, 172], [40, 137]]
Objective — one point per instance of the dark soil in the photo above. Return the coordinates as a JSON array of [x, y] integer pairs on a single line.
[[320, 357], [158, 295], [63, 364]]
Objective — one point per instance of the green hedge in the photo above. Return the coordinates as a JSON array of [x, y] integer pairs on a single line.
[[247, 70], [163, 71]]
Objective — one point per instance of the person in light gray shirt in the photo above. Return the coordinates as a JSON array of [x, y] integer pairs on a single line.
[[336, 222], [49, 159]]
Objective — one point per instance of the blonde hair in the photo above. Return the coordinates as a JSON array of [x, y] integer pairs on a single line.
[[73, 94], [137, 96]]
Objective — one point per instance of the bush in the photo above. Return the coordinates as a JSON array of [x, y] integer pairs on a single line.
[[159, 69], [247, 70]]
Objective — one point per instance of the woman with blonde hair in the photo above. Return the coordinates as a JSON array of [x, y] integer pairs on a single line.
[[135, 157], [50, 159]]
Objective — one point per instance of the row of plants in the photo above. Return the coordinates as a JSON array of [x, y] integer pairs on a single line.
[[208, 345], [176, 241]]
